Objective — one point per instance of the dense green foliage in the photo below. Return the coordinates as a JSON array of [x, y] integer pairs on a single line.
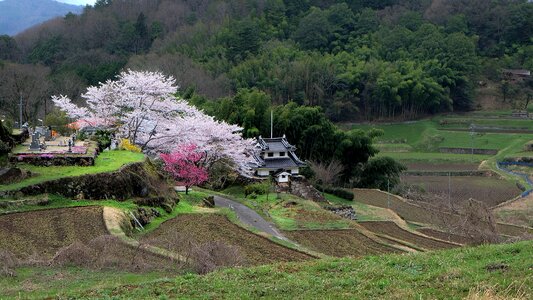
[[358, 60], [308, 128]]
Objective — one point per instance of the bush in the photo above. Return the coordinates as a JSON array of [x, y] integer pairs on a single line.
[[8, 263], [259, 188], [103, 138], [342, 193], [125, 144]]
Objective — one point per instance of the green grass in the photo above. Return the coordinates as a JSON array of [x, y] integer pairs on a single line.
[[56, 201], [428, 135], [434, 157], [450, 274], [106, 162]]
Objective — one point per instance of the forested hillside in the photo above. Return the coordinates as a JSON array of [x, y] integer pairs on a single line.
[[357, 60], [17, 15]]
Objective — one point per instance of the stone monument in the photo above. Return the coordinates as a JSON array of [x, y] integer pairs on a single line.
[[35, 142]]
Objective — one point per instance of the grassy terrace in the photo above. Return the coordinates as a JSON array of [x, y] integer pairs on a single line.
[[419, 141], [106, 162], [499, 270]]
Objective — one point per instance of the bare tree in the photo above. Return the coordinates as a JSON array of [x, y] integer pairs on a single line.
[[326, 173], [29, 82]]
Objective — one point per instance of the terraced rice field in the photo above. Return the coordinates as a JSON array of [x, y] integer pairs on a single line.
[[204, 228], [489, 190], [436, 167], [339, 243], [46, 231], [445, 236], [40, 234], [392, 230]]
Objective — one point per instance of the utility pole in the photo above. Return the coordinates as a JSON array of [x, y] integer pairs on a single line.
[[388, 193], [449, 189], [20, 112], [472, 133], [271, 123]]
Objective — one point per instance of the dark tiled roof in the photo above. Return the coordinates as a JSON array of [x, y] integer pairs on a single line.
[[280, 163], [275, 144]]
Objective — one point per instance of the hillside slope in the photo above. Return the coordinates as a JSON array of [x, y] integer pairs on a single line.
[[503, 270], [18, 15]]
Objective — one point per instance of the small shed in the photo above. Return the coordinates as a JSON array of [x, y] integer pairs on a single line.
[[282, 177]]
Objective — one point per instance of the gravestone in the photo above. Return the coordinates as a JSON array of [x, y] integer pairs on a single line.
[[41, 130], [35, 142], [114, 144], [48, 135]]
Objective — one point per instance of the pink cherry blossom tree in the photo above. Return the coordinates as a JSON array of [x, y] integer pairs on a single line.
[[186, 164], [144, 109]]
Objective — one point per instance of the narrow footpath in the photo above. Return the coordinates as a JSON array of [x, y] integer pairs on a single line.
[[249, 217]]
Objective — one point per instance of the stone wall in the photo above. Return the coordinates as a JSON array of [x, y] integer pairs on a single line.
[[139, 181], [53, 160]]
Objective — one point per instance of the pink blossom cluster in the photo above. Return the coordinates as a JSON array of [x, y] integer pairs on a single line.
[[185, 163]]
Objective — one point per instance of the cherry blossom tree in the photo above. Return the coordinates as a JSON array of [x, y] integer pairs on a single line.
[[186, 164], [145, 110]]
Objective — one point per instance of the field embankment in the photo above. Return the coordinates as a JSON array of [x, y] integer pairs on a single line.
[[339, 243], [204, 228], [390, 229]]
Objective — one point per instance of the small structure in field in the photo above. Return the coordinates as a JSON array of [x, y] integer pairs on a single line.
[[276, 157], [515, 75]]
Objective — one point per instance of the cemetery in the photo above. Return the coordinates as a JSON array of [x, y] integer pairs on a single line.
[[46, 147]]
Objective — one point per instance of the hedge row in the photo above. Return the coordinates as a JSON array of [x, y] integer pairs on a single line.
[[342, 193]]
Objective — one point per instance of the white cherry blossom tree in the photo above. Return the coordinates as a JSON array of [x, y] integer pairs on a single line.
[[143, 108]]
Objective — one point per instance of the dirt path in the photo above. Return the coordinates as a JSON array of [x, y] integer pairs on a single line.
[[249, 217]]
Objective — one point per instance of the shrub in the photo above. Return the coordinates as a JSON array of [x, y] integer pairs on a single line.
[[8, 263], [342, 193], [214, 255], [259, 188], [125, 144], [103, 138]]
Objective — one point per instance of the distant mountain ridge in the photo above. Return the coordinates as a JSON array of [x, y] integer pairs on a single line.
[[19, 15]]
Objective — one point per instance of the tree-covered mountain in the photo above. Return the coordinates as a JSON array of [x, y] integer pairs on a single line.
[[18, 15], [356, 60]]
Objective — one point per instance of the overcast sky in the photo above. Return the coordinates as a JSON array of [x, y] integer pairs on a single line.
[[78, 2]]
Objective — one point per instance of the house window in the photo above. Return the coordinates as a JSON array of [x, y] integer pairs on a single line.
[[282, 154], [270, 154]]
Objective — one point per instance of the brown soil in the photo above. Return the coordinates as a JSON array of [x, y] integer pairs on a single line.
[[488, 190], [339, 243], [445, 236], [441, 167], [204, 228], [46, 231], [394, 231]]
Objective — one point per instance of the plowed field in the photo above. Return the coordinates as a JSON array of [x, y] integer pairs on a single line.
[[203, 228], [44, 232], [489, 190], [340, 243], [393, 230]]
